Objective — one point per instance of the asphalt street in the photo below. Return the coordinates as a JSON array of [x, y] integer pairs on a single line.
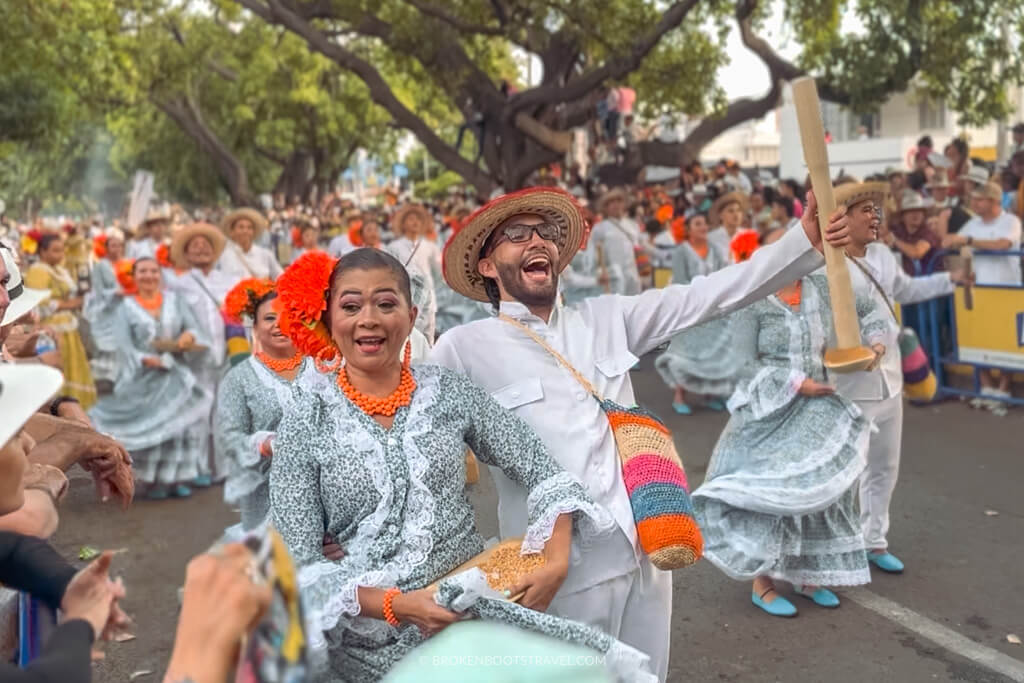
[[957, 522]]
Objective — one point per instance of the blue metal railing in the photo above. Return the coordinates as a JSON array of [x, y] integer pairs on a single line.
[[927, 320]]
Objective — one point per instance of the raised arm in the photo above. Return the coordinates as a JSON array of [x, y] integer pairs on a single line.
[[654, 317]]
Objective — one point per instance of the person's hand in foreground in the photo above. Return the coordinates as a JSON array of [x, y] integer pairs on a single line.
[[838, 231], [221, 605]]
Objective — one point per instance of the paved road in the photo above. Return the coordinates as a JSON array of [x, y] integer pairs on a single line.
[[946, 619]]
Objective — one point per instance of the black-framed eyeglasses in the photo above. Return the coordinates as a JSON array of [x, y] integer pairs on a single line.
[[519, 233]]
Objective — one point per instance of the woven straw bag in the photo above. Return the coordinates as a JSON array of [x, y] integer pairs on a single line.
[[653, 474]]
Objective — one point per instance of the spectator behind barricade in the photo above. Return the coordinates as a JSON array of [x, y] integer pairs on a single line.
[[1018, 138], [760, 209], [911, 236], [782, 214], [959, 154], [737, 178], [1017, 170], [961, 212], [991, 229], [939, 190]]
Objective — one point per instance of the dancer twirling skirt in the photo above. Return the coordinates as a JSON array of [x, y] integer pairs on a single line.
[[779, 498], [701, 360]]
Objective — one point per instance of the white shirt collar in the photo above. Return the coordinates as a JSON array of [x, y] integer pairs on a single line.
[[520, 312]]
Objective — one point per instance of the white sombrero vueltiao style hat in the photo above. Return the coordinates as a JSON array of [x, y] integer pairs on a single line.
[[23, 299], [855, 193], [462, 252], [23, 389]]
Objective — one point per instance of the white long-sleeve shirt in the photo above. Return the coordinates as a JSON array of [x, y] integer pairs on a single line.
[[887, 379], [257, 262], [602, 337], [617, 239]]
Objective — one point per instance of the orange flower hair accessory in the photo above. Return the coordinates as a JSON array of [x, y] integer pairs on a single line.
[[296, 235], [163, 256], [664, 213], [355, 233], [679, 229], [744, 243], [242, 300], [99, 246], [302, 300], [123, 271]]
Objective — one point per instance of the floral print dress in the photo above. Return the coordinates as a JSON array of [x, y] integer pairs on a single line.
[[249, 409], [779, 496], [702, 359], [395, 500]]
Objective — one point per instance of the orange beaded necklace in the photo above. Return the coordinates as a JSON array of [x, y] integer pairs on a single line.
[[793, 300], [279, 365], [153, 305], [388, 405]]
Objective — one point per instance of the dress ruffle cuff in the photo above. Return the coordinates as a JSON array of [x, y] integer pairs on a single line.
[[557, 495], [771, 389]]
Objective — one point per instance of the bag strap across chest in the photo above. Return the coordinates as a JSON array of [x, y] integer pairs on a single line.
[[586, 384]]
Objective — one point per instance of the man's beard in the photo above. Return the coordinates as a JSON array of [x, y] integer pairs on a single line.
[[528, 294]]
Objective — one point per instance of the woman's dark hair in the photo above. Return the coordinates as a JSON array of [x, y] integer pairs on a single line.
[[798, 190], [269, 296], [916, 181], [960, 145], [787, 205], [367, 258], [926, 141], [653, 227], [139, 260], [46, 240]]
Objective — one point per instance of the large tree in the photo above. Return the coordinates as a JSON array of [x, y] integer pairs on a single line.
[[669, 51]]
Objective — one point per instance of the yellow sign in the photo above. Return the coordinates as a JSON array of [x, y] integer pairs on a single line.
[[992, 333], [662, 277]]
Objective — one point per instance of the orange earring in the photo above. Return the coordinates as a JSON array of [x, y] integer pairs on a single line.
[[407, 355]]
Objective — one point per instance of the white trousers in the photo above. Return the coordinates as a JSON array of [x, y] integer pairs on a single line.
[[636, 608], [879, 478]]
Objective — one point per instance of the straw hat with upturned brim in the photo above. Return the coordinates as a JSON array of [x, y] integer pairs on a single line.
[[727, 199], [181, 238], [850, 194], [912, 201], [462, 252], [259, 223], [609, 196], [406, 210]]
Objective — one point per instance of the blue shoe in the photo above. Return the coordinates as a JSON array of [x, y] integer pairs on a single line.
[[887, 562], [822, 597], [181, 491], [716, 405], [779, 607], [202, 481], [157, 493], [682, 409]]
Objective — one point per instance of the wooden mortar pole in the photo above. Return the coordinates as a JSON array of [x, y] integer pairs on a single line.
[[849, 355]]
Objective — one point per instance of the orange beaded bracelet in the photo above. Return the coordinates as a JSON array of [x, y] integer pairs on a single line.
[[389, 612]]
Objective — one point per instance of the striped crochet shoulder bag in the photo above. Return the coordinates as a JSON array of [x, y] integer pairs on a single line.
[[652, 471]]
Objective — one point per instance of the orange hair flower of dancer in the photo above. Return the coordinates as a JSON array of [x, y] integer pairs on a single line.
[[302, 300], [243, 298], [99, 246], [123, 271], [355, 233], [296, 235], [664, 213], [679, 229], [163, 256], [744, 243]]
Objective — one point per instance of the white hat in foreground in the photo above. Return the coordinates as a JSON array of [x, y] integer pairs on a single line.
[[22, 298], [23, 389]]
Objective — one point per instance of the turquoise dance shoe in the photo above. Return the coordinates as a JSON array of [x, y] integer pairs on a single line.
[[887, 562], [202, 481], [822, 597], [716, 405], [779, 607], [682, 409], [181, 491]]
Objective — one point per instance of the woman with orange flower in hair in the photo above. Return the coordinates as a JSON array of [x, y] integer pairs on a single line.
[[157, 409], [100, 305], [700, 361], [249, 405], [778, 501], [371, 451]]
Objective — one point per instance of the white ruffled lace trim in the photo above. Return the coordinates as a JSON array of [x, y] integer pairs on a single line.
[[341, 609], [590, 519], [628, 664], [748, 394], [244, 477]]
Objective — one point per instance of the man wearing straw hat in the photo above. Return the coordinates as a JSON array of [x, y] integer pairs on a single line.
[[242, 257], [877, 275], [510, 253], [151, 234], [615, 240]]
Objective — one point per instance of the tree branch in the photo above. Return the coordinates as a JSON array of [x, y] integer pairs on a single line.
[[380, 92], [615, 67], [454, 21]]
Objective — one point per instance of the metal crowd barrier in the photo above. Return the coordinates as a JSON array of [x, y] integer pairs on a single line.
[[927, 319]]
